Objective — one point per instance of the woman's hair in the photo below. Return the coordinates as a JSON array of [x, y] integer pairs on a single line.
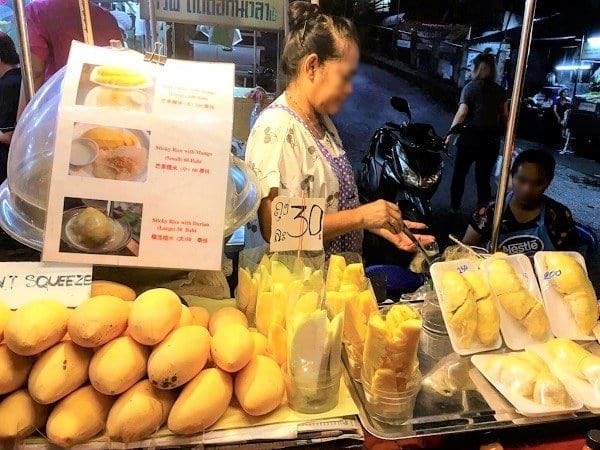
[[543, 159], [311, 31], [484, 66], [8, 52]]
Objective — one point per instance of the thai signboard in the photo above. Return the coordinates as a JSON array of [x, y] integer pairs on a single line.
[[246, 14]]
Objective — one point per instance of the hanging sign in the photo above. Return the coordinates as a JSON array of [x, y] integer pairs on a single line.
[[245, 14], [297, 224], [141, 162]]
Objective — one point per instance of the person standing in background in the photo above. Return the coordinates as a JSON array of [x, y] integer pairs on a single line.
[[562, 109], [54, 24], [483, 110], [10, 85]]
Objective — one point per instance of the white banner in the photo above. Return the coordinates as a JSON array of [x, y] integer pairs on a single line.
[[23, 282]]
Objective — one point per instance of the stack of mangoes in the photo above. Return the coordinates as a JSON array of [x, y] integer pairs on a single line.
[[128, 365]]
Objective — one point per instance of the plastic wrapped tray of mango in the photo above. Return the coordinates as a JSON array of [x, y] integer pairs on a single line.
[[301, 351], [493, 352]]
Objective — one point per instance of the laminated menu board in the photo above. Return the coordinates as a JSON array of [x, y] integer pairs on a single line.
[[141, 161]]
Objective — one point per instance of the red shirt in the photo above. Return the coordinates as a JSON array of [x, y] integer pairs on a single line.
[[53, 24]]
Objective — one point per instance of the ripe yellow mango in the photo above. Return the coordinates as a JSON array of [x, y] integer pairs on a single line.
[[200, 316], [186, 317], [118, 365], [5, 313], [179, 358], [259, 386], [20, 416], [36, 327], [139, 412], [202, 402], [14, 369], [58, 372], [226, 316], [100, 287], [232, 347], [260, 343], [78, 417], [98, 321], [153, 315]]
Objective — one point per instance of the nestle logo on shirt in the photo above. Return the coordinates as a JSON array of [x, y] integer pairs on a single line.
[[522, 244]]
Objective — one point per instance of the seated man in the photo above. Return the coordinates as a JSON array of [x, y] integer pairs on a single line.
[[531, 221]]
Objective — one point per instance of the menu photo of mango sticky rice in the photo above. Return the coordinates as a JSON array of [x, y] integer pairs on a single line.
[[109, 153], [114, 86], [101, 227]]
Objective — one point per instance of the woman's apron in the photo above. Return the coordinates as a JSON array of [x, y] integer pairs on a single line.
[[352, 241], [528, 241]]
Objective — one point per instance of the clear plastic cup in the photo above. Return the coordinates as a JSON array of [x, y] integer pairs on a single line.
[[314, 361], [435, 345], [432, 315], [313, 396], [355, 357], [392, 407]]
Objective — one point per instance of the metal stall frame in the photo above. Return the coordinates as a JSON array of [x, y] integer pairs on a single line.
[[511, 128]]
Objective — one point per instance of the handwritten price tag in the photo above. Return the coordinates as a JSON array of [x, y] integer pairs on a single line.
[[297, 224]]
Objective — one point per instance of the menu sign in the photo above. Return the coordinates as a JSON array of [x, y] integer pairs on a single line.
[[22, 282], [297, 224], [141, 162], [247, 14]]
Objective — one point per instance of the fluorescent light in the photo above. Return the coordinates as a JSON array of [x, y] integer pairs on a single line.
[[594, 41], [562, 67]]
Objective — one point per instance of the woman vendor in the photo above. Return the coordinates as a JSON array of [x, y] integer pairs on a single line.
[[294, 148]]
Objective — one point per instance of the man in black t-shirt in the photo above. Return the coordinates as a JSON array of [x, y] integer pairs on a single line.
[[483, 110], [10, 86], [531, 221]]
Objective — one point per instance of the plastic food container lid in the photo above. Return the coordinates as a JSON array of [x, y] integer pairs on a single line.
[[24, 195]]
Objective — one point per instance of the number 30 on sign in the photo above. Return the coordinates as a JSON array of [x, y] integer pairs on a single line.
[[297, 224]]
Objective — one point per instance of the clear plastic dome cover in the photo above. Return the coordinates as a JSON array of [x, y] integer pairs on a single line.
[[24, 196]]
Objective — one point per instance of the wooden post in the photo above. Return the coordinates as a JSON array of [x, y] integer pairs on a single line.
[[414, 54]]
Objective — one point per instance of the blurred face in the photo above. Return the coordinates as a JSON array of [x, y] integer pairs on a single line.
[[529, 184], [331, 81]]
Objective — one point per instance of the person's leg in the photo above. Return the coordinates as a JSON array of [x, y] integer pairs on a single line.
[[484, 166], [462, 162], [566, 150]]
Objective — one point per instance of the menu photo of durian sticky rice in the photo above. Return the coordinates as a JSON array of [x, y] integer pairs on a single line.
[[139, 145]]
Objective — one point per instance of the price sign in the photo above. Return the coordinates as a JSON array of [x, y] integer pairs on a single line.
[[297, 224]]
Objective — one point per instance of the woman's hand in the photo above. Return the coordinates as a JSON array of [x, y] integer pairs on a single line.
[[381, 214], [401, 240]]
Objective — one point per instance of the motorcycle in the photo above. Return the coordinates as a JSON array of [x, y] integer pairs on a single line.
[[403, 165]]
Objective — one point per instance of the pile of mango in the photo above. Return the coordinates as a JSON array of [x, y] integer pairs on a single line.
[[125, 366]]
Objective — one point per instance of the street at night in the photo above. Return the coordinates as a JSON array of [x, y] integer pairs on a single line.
[[577, 180]]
